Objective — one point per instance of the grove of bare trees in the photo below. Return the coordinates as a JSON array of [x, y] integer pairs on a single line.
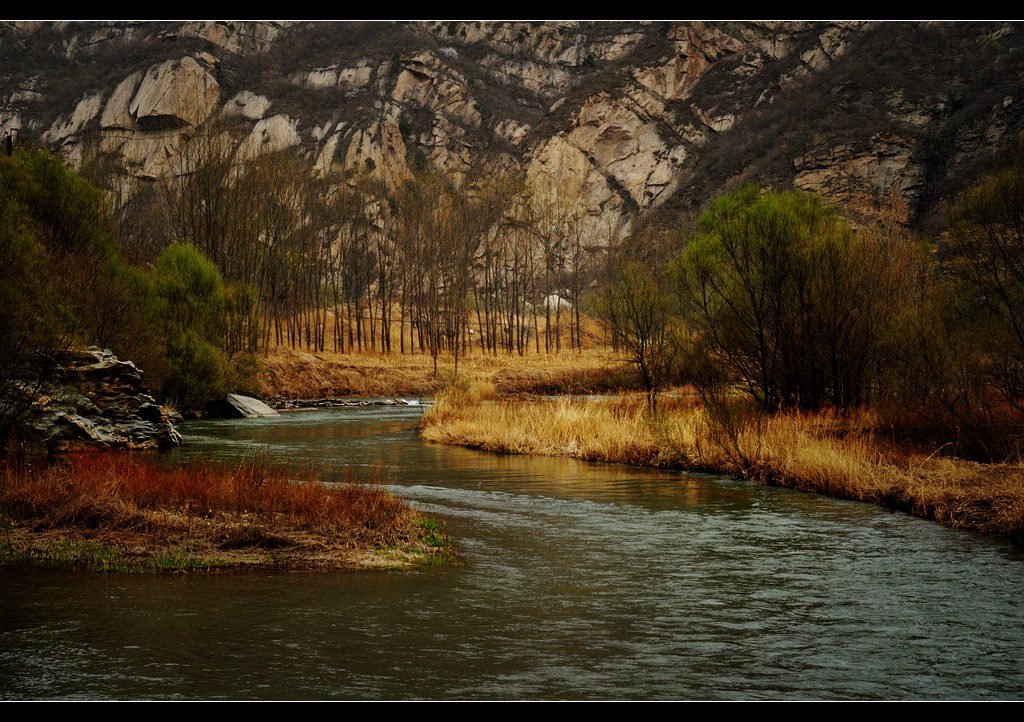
[[772, 293], [345, 262]]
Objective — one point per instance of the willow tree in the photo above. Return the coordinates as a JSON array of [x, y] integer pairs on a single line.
[[778, 291]]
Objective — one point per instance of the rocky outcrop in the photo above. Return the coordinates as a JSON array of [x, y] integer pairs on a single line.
[[378, 150], [87, 109], [349, 79], [233, 37], [271, 134], [618, 117], [117, 112], [147, 115], [100, 401], [426, 82], [174, 94], [248, 105], [880, 177]]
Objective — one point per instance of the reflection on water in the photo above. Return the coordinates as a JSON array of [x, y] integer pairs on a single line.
[[580, 581]]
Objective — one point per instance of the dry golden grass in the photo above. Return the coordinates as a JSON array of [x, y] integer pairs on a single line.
[[296, 373], [299, 374], [593, 430], [831, 454], [837, 455]]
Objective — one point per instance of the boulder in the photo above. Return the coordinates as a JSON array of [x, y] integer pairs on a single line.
[[556, 302], [248, 407]]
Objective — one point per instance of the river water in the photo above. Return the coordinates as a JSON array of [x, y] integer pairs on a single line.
[[579, 581]]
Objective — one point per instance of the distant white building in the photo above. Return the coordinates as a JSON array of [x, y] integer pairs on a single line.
[[557, 302]]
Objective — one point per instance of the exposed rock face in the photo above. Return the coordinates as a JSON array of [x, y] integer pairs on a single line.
[[101, 403], [561, 170], [270, 134], [146, 115], [351, 78], [248, 105], [84, 112], [378, 150], [173, 94], [625, 149], [117, 113], [881, 118], [426, 82], [866, 180], [234, 37]]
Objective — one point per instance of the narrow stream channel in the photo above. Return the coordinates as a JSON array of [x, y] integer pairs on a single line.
[[580, 581]]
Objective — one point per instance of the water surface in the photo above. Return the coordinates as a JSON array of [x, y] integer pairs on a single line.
[[580, 581]]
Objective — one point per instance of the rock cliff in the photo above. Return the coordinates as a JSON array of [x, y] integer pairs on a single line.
[[100, 401], [884, 119]]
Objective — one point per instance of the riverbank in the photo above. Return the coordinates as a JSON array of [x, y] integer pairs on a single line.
[[831, 454], [119, 512], [291, 374]]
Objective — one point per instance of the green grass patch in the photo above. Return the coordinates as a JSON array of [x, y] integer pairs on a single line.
[[180, 560], [433, 533]]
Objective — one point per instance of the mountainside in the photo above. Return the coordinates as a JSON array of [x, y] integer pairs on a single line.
[[889, 120]]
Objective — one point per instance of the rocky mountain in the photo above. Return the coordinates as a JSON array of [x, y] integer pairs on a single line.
[[888, 120]]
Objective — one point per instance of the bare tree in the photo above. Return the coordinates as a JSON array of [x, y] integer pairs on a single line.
[[637, 309]]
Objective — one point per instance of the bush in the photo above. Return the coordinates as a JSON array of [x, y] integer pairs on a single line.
[[243, 374], [29, 331], [986, 264], [189, 306], [196, 371], [960, 347]]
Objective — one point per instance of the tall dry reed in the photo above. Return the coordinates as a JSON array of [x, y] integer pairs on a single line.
[[830, 453]]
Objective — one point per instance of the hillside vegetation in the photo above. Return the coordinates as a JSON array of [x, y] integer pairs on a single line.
[[783, 222]]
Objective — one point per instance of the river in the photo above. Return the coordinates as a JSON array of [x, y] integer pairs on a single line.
[[579, 581]]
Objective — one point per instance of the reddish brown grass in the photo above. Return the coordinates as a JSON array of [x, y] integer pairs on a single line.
[[140, 506], [93, 489]]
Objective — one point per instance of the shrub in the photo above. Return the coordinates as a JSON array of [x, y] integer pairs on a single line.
[[986, 264], [189, 307], [55, 277]]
